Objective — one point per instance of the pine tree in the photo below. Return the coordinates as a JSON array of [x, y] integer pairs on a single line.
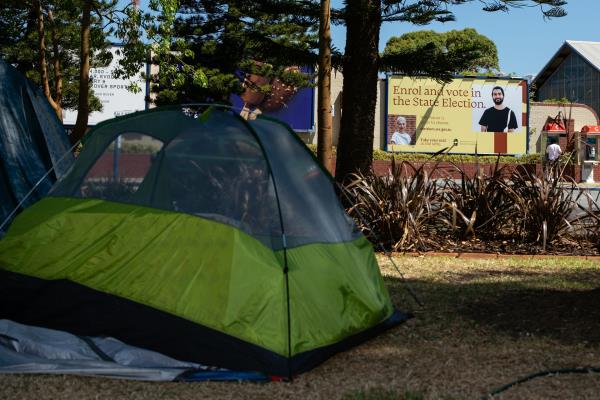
[[43, 39], [225, 40]]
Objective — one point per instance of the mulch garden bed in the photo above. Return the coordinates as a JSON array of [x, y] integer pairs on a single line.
[[509, 248]]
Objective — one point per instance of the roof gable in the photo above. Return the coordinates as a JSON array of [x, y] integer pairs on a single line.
[[590, 51]]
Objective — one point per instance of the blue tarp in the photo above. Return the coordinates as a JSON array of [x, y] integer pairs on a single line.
[[32, 141], [26, 349]]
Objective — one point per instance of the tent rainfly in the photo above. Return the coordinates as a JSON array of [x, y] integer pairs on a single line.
[[201, 236], [32, 142]]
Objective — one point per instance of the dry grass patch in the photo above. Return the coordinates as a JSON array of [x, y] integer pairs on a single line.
[[485, 323]]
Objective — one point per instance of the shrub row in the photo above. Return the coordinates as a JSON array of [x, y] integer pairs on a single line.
[[511, 210], [454, 158]]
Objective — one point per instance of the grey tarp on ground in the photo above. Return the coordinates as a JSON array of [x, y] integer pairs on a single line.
[[32, 141], [30, 350]]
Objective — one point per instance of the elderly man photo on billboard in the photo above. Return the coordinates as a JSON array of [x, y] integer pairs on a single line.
[[498, 118]]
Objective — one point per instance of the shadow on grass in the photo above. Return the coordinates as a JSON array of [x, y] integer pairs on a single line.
[[568, 316], [560, 306], [381, 394]]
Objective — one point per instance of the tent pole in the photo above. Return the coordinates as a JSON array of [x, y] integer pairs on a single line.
[[289, 314], [116, 152], [284, 244]]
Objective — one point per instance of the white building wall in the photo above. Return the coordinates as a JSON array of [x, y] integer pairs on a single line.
[[337, 82], [540, 112]]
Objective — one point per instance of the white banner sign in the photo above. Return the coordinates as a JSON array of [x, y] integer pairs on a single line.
[[112, 92]]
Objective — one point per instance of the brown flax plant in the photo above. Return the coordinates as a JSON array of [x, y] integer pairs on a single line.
[[477, 205], [399, 209], [545, 207]]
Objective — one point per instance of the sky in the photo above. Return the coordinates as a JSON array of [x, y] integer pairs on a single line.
[[525, 40]]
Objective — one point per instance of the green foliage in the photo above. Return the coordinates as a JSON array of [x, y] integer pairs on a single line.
[[483, 55], [383, 155], [201, 47], [562, 100], [175, 73], [458, 158], [467, 40], [19, 42], [415, 40]]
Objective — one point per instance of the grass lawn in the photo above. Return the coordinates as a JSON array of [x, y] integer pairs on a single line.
[[485, 323]]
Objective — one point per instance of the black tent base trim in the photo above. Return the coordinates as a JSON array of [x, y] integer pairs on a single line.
[[74, 308], [67, 306]]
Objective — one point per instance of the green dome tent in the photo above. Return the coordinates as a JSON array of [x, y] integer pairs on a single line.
[[204, 237]]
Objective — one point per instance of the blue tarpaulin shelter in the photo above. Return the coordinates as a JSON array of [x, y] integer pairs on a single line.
[[32, 141]]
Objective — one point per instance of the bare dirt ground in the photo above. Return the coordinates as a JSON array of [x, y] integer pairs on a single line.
[[485, 323]]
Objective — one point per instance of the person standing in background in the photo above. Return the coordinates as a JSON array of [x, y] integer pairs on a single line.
[[553, 152]]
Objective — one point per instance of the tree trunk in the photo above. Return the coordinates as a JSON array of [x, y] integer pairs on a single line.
[[58, 78], [324, 88], [83, 108], [361, 62], [42, 66]]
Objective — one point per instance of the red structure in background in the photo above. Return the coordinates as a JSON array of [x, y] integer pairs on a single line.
[[555, 127], [591, 129]]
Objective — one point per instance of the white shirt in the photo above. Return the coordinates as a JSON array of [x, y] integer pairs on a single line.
[[553, 151], [400, 138]]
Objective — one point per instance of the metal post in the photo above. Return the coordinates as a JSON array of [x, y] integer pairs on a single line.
[[116, 152]]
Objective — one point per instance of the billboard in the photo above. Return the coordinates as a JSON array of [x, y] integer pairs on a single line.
[[292, 105], [467, 115], [113, 94]]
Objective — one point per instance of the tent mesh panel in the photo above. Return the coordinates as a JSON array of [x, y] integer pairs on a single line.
[[214, 167]]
